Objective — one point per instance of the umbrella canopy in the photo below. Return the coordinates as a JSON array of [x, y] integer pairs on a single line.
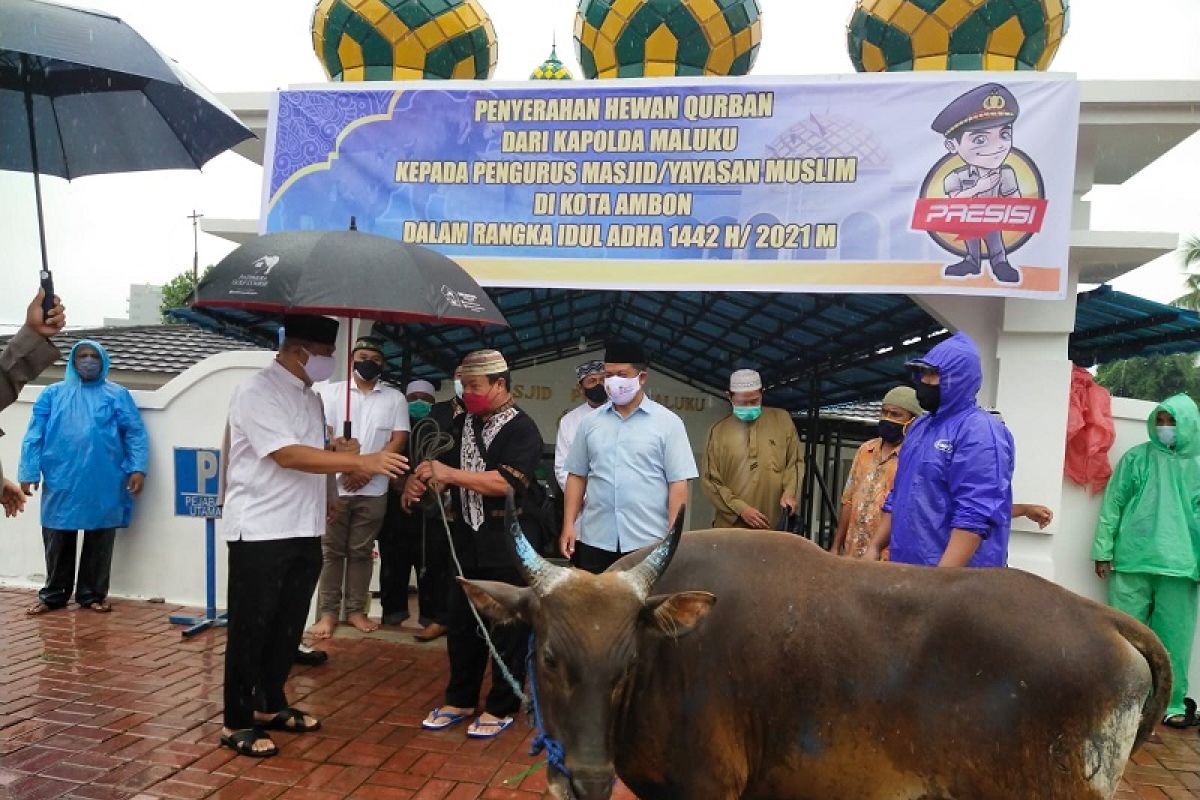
[[346, 274], [82, 93]]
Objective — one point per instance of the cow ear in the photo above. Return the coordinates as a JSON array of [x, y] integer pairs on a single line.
[[501, 602], [676, 615]]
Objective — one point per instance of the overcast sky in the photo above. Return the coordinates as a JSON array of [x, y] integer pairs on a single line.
[[106, 232]]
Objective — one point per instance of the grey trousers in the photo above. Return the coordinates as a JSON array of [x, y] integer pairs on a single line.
[[346, 548]]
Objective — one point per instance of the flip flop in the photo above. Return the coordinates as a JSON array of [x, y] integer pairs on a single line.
[[242, 743], [100, 607], [290, 720], [440, 720], [39, 608], [494, 729]]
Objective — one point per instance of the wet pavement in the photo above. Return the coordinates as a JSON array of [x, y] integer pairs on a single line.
[[118, 706]]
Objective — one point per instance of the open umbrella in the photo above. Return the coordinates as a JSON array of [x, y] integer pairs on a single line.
[[346, 274], [81, 93]]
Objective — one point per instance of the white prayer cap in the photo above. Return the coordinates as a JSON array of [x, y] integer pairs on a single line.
[[423, 387], [745, 380]]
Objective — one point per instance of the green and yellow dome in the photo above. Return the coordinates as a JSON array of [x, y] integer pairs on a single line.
[[384, 40], [897, 35], [636, 38], [551, 69]]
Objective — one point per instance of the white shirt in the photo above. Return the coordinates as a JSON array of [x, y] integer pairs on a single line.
[[568, 426], [374, 416], [263, 501]]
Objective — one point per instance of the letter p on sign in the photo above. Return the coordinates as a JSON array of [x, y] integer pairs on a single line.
[[206, 468]]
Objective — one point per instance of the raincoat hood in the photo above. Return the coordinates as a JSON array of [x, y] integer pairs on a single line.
[[1187, 426], [71, 375], [960, 372]]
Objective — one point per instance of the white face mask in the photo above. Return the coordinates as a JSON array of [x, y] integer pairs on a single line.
[[458, 390], [318, 368], [1166, 435], [622, 390]]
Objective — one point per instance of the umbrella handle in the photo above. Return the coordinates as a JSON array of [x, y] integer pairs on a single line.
[[346, 427]]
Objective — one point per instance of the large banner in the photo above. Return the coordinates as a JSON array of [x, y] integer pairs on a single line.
[[948, 183]]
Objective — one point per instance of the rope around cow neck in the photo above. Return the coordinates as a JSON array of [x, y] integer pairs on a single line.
[[556, 756]]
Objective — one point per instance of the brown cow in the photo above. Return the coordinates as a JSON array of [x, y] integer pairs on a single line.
[[819, 678]]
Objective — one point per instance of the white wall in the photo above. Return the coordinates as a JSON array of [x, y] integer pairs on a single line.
[[159, 555]]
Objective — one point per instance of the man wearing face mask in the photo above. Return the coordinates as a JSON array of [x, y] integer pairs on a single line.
[[379, 416], [274, 515], [872, 474], [87, 448], [412, 539], [632, 459], [951, 502], [590, 378], [752, 462], [499, 451], [1148, 534]]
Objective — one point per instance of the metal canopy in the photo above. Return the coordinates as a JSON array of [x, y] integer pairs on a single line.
[[822, 348]]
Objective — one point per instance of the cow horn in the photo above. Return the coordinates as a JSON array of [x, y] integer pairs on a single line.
[[651, 568], [539, 573]]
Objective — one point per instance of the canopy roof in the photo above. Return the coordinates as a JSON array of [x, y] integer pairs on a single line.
[[826, 348]]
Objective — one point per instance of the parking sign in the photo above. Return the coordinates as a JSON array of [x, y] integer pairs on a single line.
[[197, 480]]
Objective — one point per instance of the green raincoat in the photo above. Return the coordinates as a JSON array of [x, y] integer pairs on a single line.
[[1148, 529], [1150, 520]]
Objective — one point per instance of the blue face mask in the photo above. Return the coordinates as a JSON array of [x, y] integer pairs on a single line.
[[88, 367], [419, 409], [458, 388]]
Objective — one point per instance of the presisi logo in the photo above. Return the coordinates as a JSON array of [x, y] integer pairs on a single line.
[[953, 221], [944, 446]]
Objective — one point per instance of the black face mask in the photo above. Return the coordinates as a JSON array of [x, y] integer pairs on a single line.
[[891, 432], [368, 370], [596, 394], [929, 396]]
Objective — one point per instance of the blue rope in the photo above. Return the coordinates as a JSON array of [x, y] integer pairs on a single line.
[[555, 756]]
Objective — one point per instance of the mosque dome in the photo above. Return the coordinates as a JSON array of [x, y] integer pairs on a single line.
[[637, 38], [898, 35], [386, 40], [551, 69]]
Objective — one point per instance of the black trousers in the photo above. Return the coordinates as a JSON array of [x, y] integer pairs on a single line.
[[405, 546], [270, 586], [594, 559], [469, 654], [95, 566]]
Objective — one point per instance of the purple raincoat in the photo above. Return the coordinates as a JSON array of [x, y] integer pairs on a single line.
[[955, 469]]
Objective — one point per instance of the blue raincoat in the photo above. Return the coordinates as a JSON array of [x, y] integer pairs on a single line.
[[83, 443], [955, 469]]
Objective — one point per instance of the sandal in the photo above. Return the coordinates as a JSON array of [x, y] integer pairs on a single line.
[[1185, 720], [290, 720], [242, 743], [39, 608], [488, 730], [439, 720], [100, 607]]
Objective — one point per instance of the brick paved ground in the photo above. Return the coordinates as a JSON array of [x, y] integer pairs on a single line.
[[116, 707]]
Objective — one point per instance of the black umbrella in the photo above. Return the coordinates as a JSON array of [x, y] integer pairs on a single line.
[[81, 93], [346, 274]]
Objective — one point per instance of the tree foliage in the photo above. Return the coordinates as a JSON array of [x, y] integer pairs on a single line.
[[176, 292], [1190, 253], [1155, 378]]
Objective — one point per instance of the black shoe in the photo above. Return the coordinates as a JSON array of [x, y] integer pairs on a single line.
[[1005, 272], [963, 269], [310, 657]]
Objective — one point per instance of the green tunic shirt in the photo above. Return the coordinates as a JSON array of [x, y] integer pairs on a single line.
[[751, 464]]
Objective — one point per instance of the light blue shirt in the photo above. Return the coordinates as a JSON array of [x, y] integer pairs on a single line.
[[628, 463]]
